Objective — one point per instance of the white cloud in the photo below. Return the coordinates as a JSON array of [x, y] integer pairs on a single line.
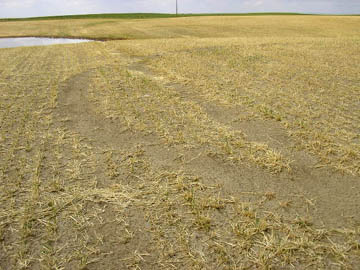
[[258, 3], [16, 4]]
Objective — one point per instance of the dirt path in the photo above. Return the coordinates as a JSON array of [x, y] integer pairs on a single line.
[[334, 199]]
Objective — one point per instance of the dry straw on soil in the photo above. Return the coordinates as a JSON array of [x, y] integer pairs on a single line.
[[234, 145]]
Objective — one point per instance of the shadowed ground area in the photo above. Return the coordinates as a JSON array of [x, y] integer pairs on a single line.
[[220, 152]]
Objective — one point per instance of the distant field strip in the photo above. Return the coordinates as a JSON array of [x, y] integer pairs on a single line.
[[202, 27], [145, 16]]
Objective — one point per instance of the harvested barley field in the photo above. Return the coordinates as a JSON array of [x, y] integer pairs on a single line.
[[199, 143]]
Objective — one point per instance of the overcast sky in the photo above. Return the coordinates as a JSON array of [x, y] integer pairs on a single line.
[[29, 8]]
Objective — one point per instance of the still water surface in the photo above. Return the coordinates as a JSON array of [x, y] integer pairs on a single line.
[[35, 41]]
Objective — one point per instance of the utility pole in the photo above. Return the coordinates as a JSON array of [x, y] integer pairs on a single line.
[[176, 7]]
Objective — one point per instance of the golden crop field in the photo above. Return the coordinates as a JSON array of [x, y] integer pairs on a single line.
[[198, 143]]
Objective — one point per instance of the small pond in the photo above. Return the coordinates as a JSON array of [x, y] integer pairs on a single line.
[[37, 41]]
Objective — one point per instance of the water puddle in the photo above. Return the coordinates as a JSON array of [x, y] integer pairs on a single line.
[[37, 41]]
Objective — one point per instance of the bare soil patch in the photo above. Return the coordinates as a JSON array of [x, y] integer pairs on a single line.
[[305, 184]]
